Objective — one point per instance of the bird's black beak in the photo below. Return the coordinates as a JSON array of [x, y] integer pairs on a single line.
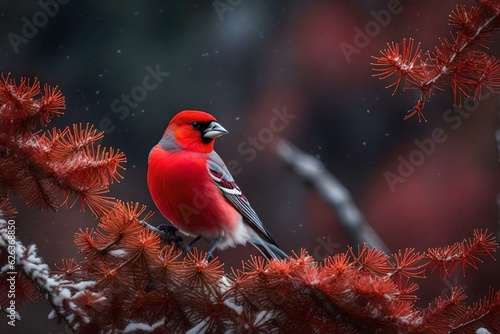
[[214, 130]]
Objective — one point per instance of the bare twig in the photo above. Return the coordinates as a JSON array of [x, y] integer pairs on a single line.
[[333, 192]]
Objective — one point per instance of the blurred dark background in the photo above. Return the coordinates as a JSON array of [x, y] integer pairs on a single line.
[[239, 60]]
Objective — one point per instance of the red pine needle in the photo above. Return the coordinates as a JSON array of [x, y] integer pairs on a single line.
[[128, 278], [56, 167], [457, 61]]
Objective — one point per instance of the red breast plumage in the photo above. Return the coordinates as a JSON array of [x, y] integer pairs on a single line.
[[194, 190]]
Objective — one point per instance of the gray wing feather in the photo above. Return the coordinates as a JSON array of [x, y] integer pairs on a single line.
[[224, 180]]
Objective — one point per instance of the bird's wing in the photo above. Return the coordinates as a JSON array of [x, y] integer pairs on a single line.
[[224, 180]]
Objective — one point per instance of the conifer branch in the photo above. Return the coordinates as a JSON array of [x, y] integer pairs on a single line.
[[129, 281], [49, 169], [460, 60]]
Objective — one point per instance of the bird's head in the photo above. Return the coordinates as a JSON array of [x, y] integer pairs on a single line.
[[194, 130]]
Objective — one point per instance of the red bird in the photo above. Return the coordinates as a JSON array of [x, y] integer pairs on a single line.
[[193, 189]]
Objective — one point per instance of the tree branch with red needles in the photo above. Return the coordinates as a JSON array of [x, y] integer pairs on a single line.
[[460, 61], [131, 282], [55, 167]]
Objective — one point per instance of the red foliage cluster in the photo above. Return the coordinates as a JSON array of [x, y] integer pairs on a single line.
[[47, 169], [129, 283], [459, 61]]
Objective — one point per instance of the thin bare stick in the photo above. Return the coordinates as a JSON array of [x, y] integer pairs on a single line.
[[333, 193]]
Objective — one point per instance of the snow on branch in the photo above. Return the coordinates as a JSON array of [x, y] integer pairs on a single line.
[[161, 291], [129, 282], [24, 266]]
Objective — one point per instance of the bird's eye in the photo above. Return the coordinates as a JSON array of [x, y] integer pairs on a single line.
[[195, 125]]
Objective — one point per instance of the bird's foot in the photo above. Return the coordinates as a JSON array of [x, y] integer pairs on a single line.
[[210, 254], [186, 248], [170, 235], [210, 257]]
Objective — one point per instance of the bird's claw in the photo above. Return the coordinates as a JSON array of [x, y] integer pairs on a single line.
[[185, 248], [210, 257], [167, 228], [170, 231], [210, 254], [171, 237]]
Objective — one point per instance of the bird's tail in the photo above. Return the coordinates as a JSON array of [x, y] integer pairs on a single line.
[[269, 250]]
